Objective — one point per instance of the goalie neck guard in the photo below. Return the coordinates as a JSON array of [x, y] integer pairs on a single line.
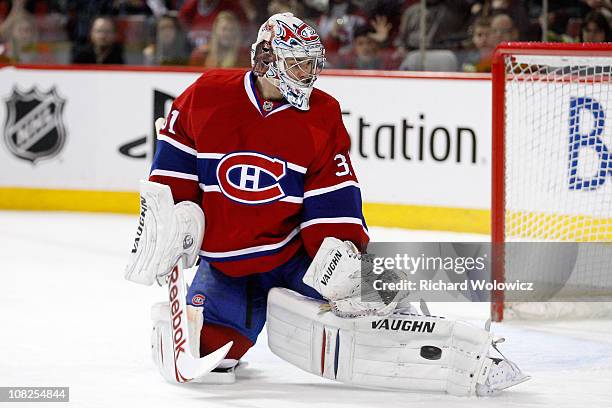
[[288, 53]]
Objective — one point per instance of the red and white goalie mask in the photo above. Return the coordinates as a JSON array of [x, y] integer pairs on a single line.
[[289, 53]]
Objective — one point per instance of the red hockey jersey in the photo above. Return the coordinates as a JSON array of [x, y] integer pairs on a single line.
[[270, 178]]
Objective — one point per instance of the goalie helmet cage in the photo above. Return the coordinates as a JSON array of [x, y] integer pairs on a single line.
[[540, 191]]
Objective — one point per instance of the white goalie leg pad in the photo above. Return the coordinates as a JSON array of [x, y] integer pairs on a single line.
[[408, 352], [166, 232], [161, 337], [163, 352]]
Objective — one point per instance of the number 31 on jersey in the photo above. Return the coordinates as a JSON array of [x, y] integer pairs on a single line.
[[343, 164]]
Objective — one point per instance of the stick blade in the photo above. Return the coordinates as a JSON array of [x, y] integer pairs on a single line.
[[188, 368]]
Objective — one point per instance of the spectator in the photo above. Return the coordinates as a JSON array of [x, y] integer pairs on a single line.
[[199, 16], [391, 10], [445, 24], [595, 28], [337, 25], [81, 14], [224, 50], [16, 10], [171, 46], [22, 44], [477, 58], [502, 30], [560, 27], [49, 23], [159, 8], [382, 27], [365, 53], [602, 6], [285, 6], [131, 7], [514, 8], [357, 33], [102, 48]]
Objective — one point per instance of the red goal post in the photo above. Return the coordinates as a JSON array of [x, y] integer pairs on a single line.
[[504, 71]]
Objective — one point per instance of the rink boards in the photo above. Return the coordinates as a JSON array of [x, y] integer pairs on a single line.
[[81, 138]]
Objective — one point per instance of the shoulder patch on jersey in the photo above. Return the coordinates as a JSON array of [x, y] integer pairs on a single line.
[[251, 177]]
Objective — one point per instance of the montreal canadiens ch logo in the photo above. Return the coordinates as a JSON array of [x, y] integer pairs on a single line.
[[251, 178], [198, 300]]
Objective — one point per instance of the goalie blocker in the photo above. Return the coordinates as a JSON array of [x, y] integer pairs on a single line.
[[408, 352], [166, 233]]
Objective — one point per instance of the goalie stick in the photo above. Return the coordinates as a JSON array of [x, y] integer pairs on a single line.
[[186, 366]]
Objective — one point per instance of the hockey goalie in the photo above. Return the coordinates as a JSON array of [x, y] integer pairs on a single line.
[[252, 177]]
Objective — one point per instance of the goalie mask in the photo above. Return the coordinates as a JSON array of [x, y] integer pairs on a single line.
[[289, 53]]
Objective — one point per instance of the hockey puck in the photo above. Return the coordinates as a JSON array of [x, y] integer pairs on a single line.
[[431, 352]]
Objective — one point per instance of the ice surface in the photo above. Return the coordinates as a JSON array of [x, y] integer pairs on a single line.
[[68, 318]]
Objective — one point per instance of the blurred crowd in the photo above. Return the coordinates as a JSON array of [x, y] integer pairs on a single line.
[[458, 35]]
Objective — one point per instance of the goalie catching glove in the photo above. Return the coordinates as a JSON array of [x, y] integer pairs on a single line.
[[166, 233], [337, 273]]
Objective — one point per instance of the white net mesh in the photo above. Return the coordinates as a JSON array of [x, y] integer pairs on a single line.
[[558, 178]]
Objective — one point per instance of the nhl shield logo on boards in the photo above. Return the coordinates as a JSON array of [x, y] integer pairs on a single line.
[[34, 128]]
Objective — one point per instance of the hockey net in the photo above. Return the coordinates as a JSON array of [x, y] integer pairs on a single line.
[[552, 177]]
